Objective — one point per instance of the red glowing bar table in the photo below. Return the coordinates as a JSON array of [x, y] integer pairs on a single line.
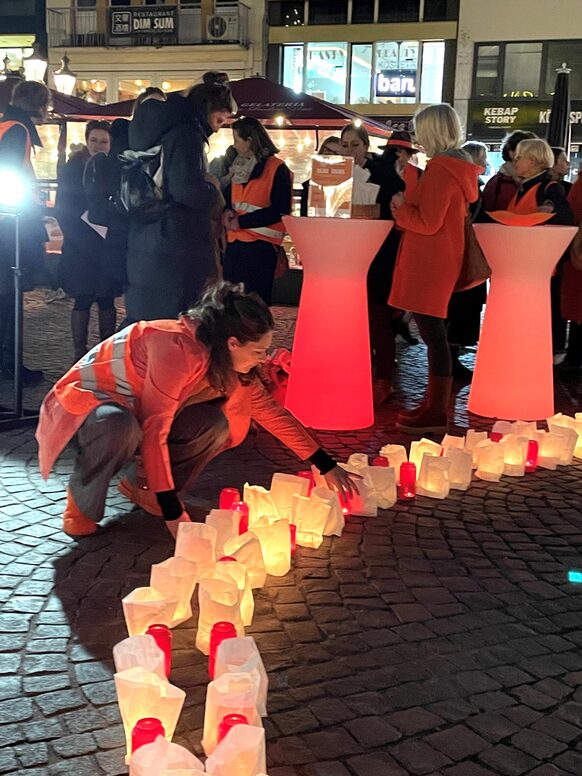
[[513, 376], [330, 385]]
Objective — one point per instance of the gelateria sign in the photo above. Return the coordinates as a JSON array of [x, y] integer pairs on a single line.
[[492, 120], [161, 21]]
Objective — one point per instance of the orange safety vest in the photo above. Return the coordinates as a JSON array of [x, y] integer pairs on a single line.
[[5, 126], [256, 195], [527, 204]]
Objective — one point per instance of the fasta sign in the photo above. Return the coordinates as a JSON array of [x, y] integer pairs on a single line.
[[395, 83]]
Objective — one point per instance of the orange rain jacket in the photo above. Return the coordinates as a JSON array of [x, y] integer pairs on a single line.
[[153, 368]]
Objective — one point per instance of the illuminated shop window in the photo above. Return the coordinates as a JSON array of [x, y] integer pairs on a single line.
[[293, 67], [92, 90], [129, 89], [326, 73], [396, 72], [433, 64], [361, 73], [170, 84]]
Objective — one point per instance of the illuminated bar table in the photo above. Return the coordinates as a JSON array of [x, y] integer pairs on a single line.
[[330, 382], [513, 378]]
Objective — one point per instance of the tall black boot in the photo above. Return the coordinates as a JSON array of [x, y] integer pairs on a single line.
[[79, 330], [107, 321]]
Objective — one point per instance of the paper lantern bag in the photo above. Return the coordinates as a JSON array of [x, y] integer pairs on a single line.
[[218, 601], [240, 656], [246, 548], [225, 522], [433, 477], [140, 652], [146, 606], [235, 572], [197, 543], [162, 758], [176, 576], [283, 488], [240, 753], [275, 539], [229, 694]]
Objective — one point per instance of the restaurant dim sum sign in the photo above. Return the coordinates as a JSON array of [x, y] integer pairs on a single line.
[[490, 120], [155, 22]]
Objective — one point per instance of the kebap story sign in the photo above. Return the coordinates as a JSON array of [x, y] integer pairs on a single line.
[[490, 120], [161, 21]]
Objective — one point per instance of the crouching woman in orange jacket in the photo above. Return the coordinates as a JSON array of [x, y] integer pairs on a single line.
[[181, 391]]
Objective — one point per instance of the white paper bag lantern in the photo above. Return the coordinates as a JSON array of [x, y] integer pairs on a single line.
[[218, 601], [526, 428], [178, 577], [197, 543], [383, 479], [146, 606], [310, 516], [241, 656], [433, 478], [550, 449], [363, 503], [396, 455], [358, 460], [142, 652], [233, 571], [502, 427], [564, 426], [472, 439], [461, 469], [453, 441], [225, 522], [514, 454], [489, 460], [335, 521], [420, 448], [259, 502], [162, 758], [236, 693], [240, 753], [283, 488], [577, 426], [143, 694], [275, 539], [247, 550]]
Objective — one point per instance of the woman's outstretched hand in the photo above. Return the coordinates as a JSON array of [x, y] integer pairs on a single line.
[[345, 483]]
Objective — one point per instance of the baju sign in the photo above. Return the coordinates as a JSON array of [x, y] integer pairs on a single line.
[[156, 22], [491, 120]]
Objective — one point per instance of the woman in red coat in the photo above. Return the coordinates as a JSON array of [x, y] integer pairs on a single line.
[[181, 391], [431, 253]]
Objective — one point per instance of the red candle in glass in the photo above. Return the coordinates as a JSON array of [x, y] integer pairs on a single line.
[[146, 731], [495, 436], [243, 508], [345, 504], [228, 496], [380, 460], [407, 487], [226, 558], [293, 534], [228, 722], [307, 474], [163, 638], [531, 457], [220, 631]]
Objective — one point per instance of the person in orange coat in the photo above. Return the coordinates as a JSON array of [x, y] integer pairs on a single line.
[[181, 391], [431, 253]]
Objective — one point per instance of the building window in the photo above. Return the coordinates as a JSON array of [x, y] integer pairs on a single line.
[[433, 64], [362, 11], [286, 14], [328, 11], [441, 10], [569, 54], [399, 11], [487, 71], [396, 71], [523, 63], [293, 67], [326, 71], [92, 90], [361, 73], [129, 89], [86, 3]]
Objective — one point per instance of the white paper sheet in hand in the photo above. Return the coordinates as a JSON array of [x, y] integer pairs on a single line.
[[101, 230]]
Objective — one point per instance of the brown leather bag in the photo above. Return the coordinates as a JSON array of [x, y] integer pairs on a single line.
[[474, 269]]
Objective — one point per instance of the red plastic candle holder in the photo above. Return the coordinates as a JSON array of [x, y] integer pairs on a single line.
[[219, 633], [307, 474], [228, 496], [226, 559], [345, 504], [380, 460], [495, 436], [407, 487], [146, 731], [228, 722], [293, 535], [163, 638], [243, 508], [531, 457]]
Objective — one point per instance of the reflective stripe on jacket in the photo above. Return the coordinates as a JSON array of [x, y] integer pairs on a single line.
[[256, 195], [153, 368]]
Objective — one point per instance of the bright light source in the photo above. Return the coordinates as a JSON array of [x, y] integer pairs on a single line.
[[12, 190], [279, 120], [357, 122], [575, 576], [65, 79], [166, 85], [35, 65]]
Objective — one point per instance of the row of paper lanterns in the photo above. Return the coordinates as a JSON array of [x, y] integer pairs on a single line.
[[233, 551]]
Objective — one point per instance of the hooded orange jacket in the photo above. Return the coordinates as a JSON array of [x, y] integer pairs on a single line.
[[153, 368], [431, 250]]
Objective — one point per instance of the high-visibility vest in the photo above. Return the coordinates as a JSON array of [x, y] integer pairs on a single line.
[[5, 126], [527, 204], [256, 195]]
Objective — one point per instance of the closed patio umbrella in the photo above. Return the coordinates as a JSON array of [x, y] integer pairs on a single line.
[[559, 126]]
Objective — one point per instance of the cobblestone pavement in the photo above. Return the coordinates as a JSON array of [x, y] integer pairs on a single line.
[[441, 638]]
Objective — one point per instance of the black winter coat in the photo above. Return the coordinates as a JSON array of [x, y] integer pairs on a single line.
[[170, 260]]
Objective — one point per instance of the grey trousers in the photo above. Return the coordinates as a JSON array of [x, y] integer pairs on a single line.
[[111, 435]]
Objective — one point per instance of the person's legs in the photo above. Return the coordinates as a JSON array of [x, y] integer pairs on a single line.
[[105, 442], [434, 333], [80, 315], [107, 316], [251, 263], [383, 347]]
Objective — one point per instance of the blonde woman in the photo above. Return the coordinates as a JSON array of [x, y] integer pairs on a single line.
[[533, 162], [431, 253]]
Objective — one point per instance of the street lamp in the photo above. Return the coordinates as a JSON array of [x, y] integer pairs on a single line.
[[65, 80], [35, 65]]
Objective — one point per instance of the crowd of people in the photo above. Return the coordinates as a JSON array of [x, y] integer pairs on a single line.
[[179, 380]]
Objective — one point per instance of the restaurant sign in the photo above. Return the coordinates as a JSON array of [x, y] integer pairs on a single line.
[[492, 120], [160, 21]]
